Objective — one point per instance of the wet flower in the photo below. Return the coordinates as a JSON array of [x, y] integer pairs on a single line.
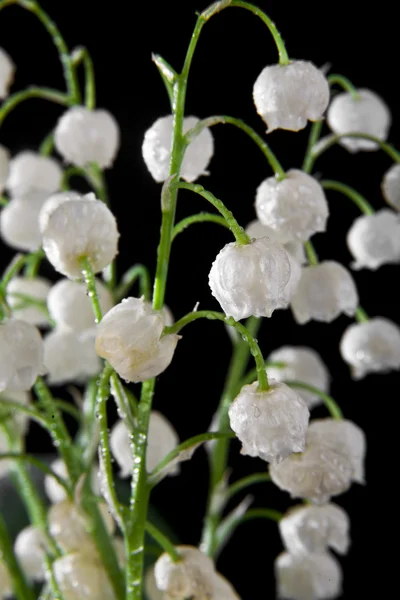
[[308, 576], [191, 577], [374, 240], [82, 573]]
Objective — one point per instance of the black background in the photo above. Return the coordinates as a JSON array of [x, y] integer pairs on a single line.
[[233, 49]]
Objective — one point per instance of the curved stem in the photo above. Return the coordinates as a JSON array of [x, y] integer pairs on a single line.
[[280, 45], [29, 458], [359, 200], [47, 145], [139, 272], [261, 143], [330, 403], [245, 482], [251, 376], [163, 541], [35, 415], [20, 587], [313, 138], [240, 236], [79, 55], [31, 92], [311, 254], [360, 315], [345, 83], [334, 139], [202, 217]]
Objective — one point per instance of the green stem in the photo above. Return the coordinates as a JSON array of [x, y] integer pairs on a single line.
[[78, 56], [13, 269], [55, 593], [352, 194], [90, 280], [264, 147], [313, 138], [219, 451], [139, 272], [47, 145], [66, 61], [31, 92], [345, 83], [30, 459], [240, 236], [245, 482], [33, 262], [251, 376], [202, 217], [360, 315], [163, 541], [20, 587], [34, 414], [334, 139], [127, 409], [329, 402], [311, 254], [280, 45]]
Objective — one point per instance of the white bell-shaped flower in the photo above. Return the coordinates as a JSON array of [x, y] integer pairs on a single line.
[[325, 291], [129, 337], [19, 419], [52, 202], [301, 364], [390, 186], [6, 589], [70, 307], [295, 207], [191, 577], [251, 279], [68, 525], [270, 424], [367, 113], [4, 166], [308, 576], [223, 589], [84, 136], [156, 149], [78, 228], [37, 288], [323, 470], [19, 222], [287, 96], [162, 439], [346, 435], [255, 229], [21, 355], [7, 70], [55, 492], [81, 575], [31, 172], [374, 240], [311, 529], [30, 548], [70, 356], [371, 347]]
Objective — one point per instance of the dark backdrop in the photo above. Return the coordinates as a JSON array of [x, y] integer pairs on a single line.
[[233, 49]]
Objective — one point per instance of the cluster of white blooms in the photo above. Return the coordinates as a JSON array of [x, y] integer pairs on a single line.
[[156, 149], [374, 240], [130, 337], [162, 439]]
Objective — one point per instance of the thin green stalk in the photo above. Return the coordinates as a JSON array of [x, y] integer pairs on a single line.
[[251, 376], [344, 83], [225, 530], [202, 217], [31, 92], [240, 236], [137, 272], [30, 459], [329, 402], [54, 589], [126, 409], [13, 269], [245, 482], [358, 199], [219, 451], [82, 55], [90, 280], [47, 145], [313, 138], [3, 201], [334, 139], [20, 587], [311, 254], [32, 413], [360, 315], [163, 541], [33, 262], [261, 143]]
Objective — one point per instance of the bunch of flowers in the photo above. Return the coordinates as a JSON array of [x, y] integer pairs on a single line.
[[88, 329]]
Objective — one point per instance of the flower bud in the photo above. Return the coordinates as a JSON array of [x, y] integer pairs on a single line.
[[19, 222], [390, 186], [323, 470], [129, 337], [308, 576], [371, 347], [70, 307], [55, 492], [270, 424], [52, 202], [286, 96], [5, 579], [78, 228], [4, 165], [325, 291], [82, 575], [85, 136], [7, 70], [162, 439], [30, 172], [19, 419], [301, 364], [374, 240], [21, 355], [156, 150], [367, 113], [191, 577], [295, 207], [70, 356], [35, 287], [251, 279], [312, 529], [30, 549]]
